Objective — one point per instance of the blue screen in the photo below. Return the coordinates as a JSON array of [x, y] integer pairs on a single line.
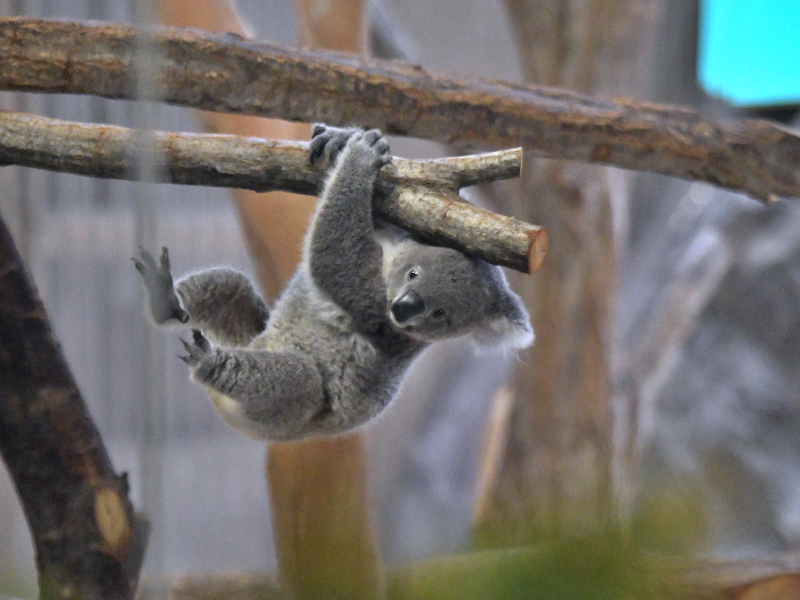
[[749, 51]]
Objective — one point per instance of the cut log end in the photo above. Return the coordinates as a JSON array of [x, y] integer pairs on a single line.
[[538, 248]]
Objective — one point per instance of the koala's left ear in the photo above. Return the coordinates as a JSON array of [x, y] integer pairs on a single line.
[[507, 324]]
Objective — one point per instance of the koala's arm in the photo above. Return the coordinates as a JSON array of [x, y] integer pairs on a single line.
[[220, 301], [344, 259]]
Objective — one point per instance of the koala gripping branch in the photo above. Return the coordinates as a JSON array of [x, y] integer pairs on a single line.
[[424, 199]]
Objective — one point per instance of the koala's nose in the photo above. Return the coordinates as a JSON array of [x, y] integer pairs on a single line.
[[407, 306]]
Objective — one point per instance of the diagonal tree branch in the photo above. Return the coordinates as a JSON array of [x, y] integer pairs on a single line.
[[226, 73], [424, 198], [89, 542]]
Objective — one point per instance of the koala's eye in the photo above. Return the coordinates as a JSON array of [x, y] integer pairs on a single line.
[[439, 314], [412, 274]]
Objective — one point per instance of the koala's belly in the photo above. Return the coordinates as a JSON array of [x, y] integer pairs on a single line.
[[359, 381]]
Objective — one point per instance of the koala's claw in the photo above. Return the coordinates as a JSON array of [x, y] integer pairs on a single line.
[[198, 349], [328, 143], [164, 304]]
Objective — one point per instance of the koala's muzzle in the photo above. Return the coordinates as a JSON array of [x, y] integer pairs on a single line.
[[407, 306]]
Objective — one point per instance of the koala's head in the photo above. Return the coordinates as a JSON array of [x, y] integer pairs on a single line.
[[437, 293]]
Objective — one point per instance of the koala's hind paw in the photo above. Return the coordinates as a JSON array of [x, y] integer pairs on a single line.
[[198, 350], [164, 303]]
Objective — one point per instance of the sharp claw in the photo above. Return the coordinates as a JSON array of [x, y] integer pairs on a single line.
[[186, 345], [139, 266], [187, 359], [164, 258], [200, 340], [315, 152]]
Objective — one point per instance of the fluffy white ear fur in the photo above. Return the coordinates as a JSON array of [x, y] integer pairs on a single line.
[[509, 328]]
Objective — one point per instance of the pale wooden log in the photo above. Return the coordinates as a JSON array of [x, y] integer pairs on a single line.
[[424, 199]]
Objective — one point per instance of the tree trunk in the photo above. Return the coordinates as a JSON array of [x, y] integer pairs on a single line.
[[555, 464]]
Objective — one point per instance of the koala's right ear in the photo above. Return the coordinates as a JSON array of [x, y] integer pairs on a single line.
[[507, 323]]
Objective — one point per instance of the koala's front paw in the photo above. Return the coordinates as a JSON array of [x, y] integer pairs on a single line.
[[164, 303], [328, 142], [199, 350], [369, 147]]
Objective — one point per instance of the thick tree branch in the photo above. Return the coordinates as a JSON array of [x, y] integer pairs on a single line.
[[89, 543], [424, 199], [228, 74]]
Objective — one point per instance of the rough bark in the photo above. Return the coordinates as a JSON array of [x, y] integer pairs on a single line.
[[226, 73], [89, 542], [424, 199]]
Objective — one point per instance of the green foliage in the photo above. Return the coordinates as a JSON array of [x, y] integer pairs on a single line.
[[609, 561]]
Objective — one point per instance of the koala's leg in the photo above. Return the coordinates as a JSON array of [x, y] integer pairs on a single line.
[[221, 301], [273, 395]]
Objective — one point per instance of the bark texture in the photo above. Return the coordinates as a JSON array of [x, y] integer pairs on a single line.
[[228, 74], [424, 199], [89, 542]]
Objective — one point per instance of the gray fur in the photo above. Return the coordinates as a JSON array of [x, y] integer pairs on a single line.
[[360, 308]]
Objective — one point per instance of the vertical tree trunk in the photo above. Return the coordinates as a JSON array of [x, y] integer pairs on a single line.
[[325, 542], [555, 466]]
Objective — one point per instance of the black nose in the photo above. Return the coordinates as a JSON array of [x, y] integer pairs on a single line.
[[408, 305]]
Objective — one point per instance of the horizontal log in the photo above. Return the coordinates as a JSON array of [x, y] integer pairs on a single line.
[[423, 200]]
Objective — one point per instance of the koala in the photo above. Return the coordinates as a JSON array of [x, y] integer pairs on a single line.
[[365, 301]]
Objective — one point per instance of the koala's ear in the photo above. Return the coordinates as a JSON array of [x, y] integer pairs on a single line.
[[507, 323]]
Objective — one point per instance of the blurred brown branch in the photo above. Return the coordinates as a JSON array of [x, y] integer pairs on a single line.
[[228, 74], [89, 542], [424, 198]]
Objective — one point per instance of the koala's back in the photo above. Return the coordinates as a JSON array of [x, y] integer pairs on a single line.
[[359, 378]]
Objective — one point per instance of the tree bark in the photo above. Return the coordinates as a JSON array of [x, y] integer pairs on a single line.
[[555, 467], [423, 200], [89, 542], [228, 74]]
